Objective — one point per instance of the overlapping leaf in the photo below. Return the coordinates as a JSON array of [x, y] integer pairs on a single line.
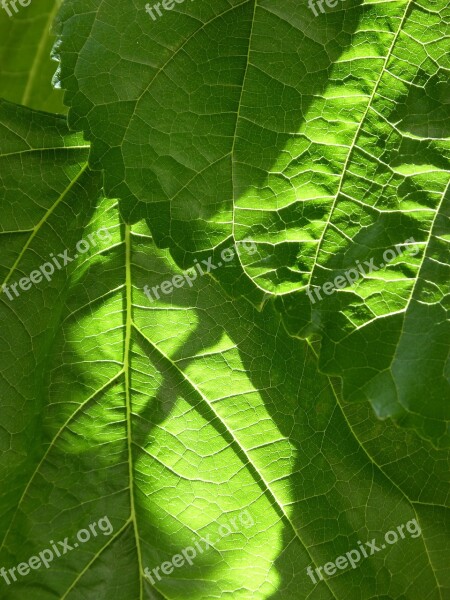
[[325, 139]]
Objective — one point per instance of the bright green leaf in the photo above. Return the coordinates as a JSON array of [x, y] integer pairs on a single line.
[[325, 139], [172, 417]]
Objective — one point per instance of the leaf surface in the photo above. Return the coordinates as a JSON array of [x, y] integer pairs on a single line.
[[26, 70], [324, 139], [174, 417]]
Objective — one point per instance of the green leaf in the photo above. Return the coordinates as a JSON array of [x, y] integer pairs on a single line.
[[171, 418], [388, 333], [26, 70], [325, 139]]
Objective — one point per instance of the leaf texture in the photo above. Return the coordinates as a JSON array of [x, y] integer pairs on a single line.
[[324, 139], [172, 417], [26, 70]]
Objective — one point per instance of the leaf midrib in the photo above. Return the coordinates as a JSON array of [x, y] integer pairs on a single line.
[[129, 408]]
